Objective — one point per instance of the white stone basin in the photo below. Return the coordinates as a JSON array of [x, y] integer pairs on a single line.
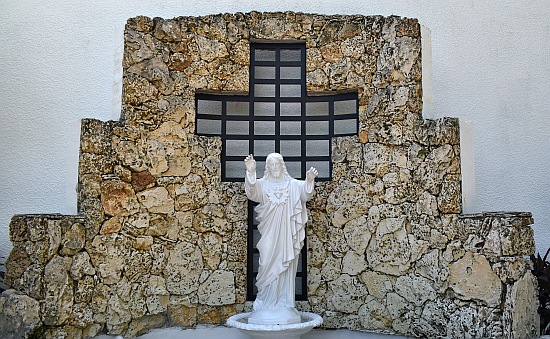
[[290, 331]]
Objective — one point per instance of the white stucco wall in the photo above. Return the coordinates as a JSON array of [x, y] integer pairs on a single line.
[[489, 66]]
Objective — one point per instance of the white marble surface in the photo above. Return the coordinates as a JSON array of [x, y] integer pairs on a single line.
[[282, 217], [308, 319]]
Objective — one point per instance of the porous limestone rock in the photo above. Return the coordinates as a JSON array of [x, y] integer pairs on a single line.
[[183, 269], [32, 281], [357, 234], [143, 325], [109, 254], [218, 289], [143, 243], [471, 277], [157, 296], [211, 246], [73, 240], [81, 266], [520, 315], [111, 225], [353, 263], [415, 289], [19, 315], [84, 289], [377, 284], [374, 314], [17, 263], [118, 198], [346, 294], [391, 252], [58, 291], [156, 200]]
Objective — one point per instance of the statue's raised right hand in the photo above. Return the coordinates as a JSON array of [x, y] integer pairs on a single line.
[[250, 164]]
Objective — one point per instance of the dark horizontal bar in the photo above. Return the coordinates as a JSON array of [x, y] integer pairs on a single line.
[[199, 91], [278, 81], [332, 93], [272, 42], [277, 63]]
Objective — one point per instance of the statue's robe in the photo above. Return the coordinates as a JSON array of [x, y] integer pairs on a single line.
[[282, 216]]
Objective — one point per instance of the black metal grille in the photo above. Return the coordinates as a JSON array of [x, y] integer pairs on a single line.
[[276, 115]]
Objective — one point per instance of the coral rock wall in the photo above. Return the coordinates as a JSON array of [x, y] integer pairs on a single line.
[[161, 241]]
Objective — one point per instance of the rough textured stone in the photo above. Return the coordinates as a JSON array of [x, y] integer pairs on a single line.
[[377, 284], [118, 198], [111, 225], [374, 314], [353, 263], [19, 315], [143, 243], [517, 240], [211, 245], [142, 180], [183, 269], [144, 324], [157, 295], [472, 277], [415, 289], [84, 289], [450, 197], [32, 281], [511, 269], [157, 200], [73, 240], [357, 234], [340, 206], [108, 254], [433, 266], [218, 289], [118, 315], [347, 293], [391, 251], [45, 238], [58, 301], [520, 317], [18, 261], [181, 311]]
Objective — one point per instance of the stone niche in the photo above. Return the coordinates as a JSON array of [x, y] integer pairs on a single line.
[[160, 240]]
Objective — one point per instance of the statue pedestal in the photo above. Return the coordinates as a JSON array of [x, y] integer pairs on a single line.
[[288, 331], [275, 316]]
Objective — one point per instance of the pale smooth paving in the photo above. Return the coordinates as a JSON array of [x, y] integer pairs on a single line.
[[232, 333]]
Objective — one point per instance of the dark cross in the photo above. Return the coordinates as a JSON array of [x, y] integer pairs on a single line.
[[277, 115]]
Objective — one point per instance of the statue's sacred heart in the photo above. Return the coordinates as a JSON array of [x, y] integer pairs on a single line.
[[278, 195]]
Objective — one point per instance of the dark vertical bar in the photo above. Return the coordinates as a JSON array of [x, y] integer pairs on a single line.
[[277, 99], [303, 100], [250, 254], [250, 230]]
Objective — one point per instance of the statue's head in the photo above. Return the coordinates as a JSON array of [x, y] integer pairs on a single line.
[[275, 167]]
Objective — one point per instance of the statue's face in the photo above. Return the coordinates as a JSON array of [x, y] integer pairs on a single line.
[[275, 168]]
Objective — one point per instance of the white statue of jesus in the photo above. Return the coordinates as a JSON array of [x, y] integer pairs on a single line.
[[282, 216]]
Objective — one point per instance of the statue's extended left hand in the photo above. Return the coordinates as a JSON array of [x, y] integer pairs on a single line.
[[312, 174]]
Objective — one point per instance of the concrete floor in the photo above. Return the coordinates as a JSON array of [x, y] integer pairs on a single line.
[[231, 333]]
